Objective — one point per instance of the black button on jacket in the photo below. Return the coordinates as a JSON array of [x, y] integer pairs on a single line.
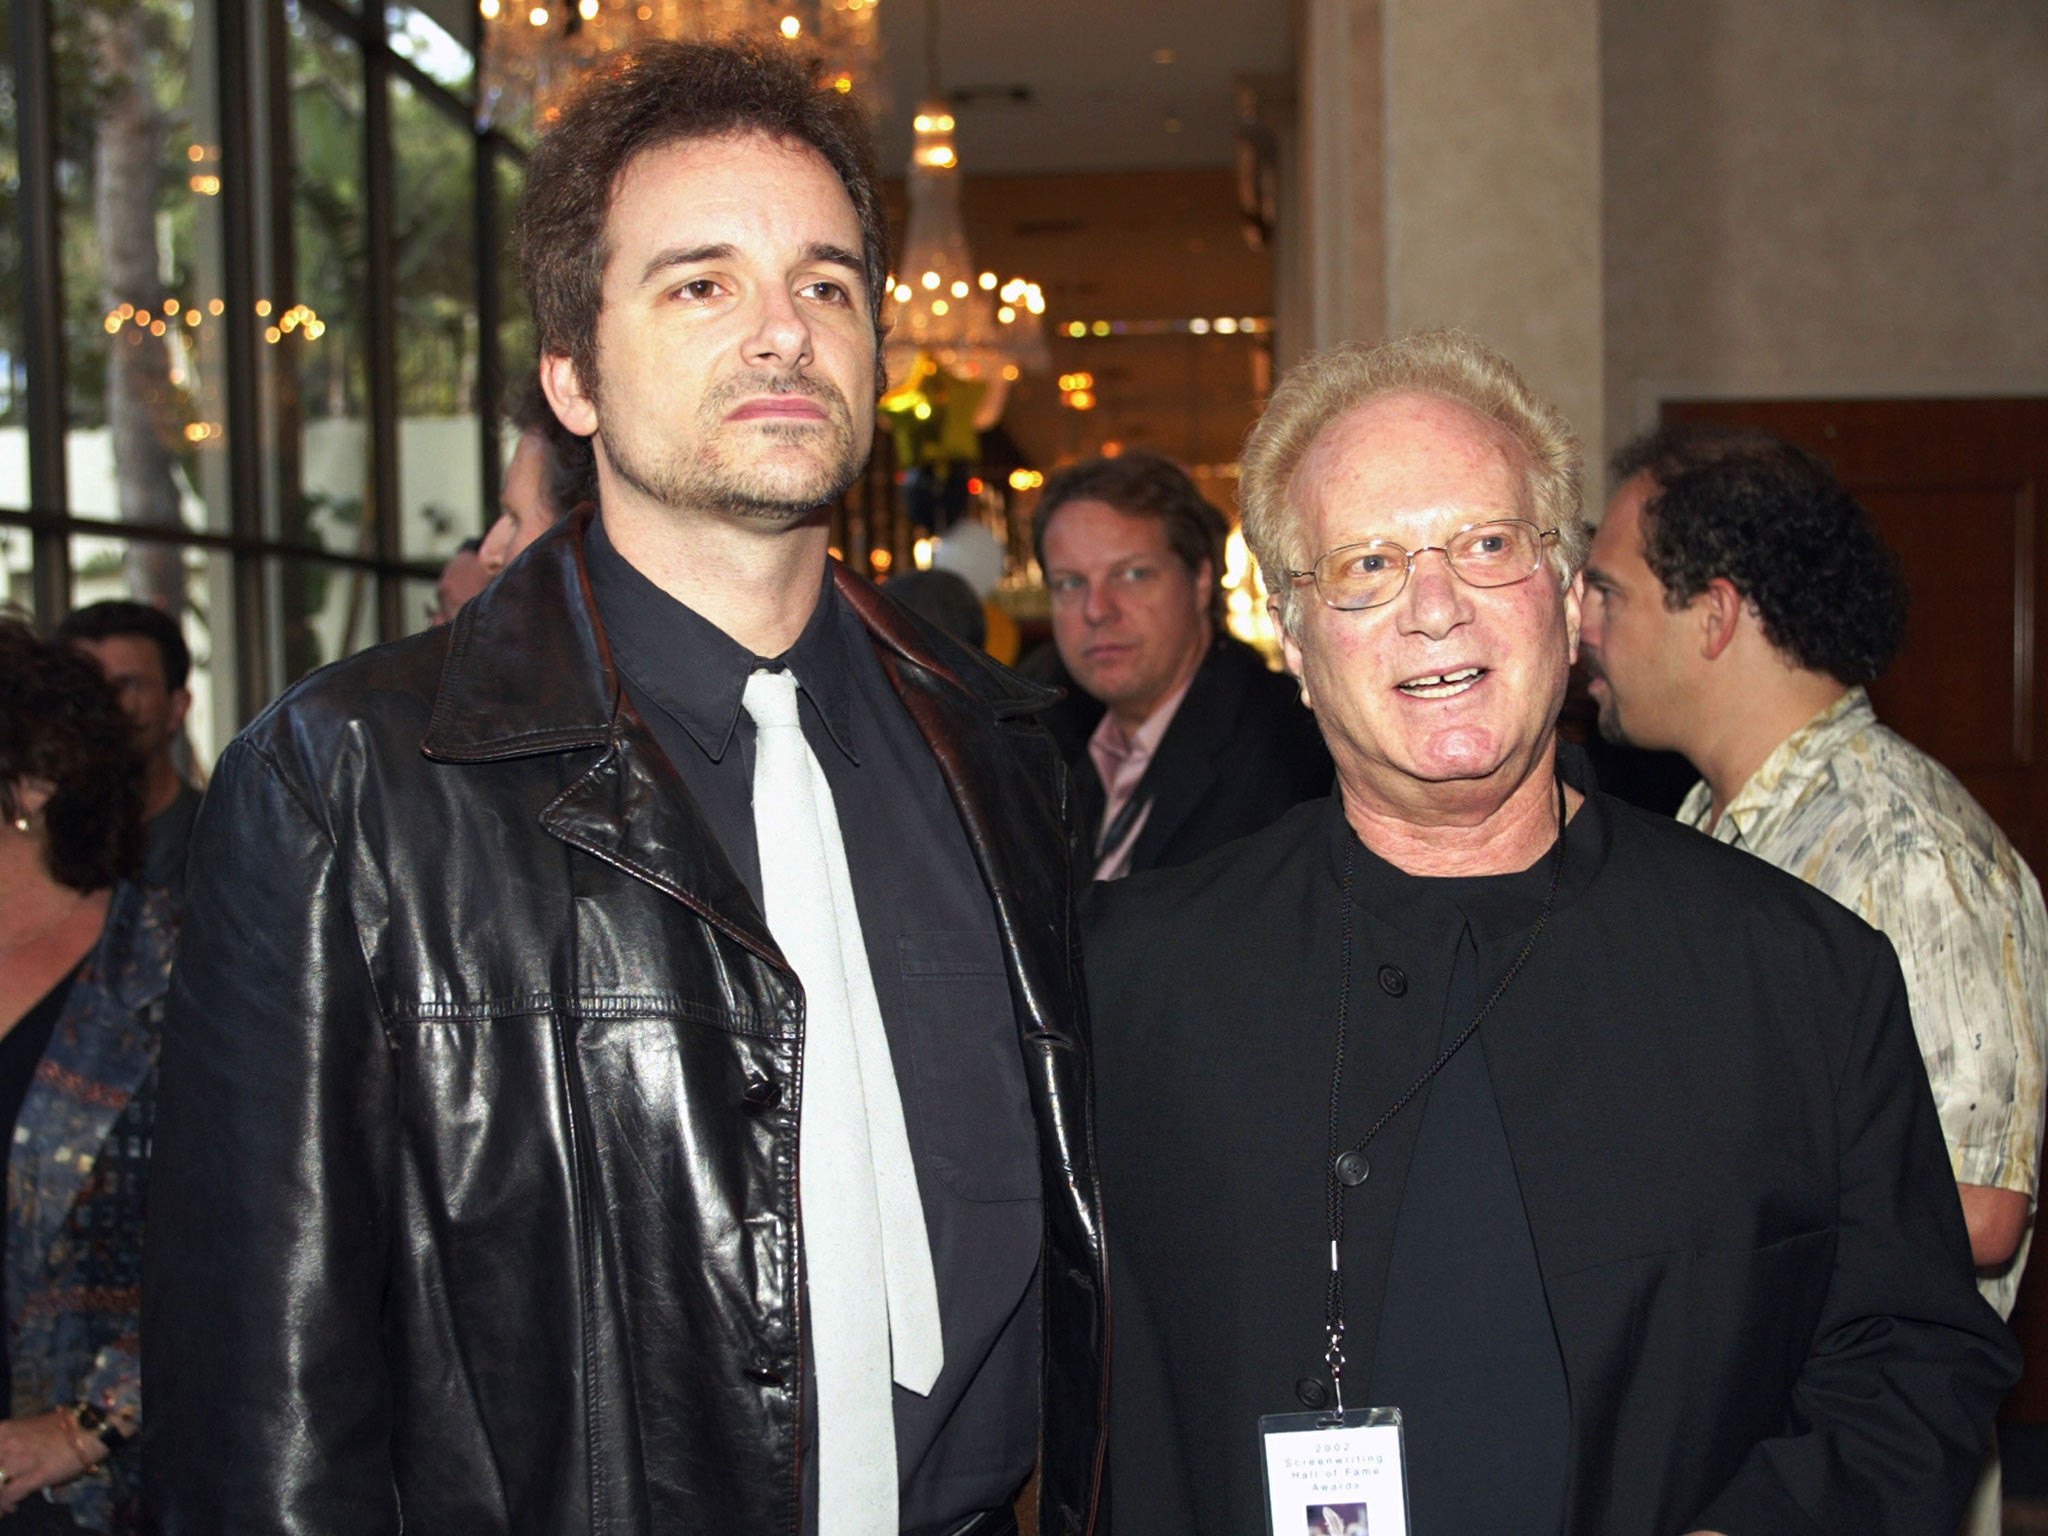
[[475, 1187]]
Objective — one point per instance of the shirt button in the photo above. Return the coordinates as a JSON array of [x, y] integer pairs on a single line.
[[1312, 1392], [761, 1092], [1393, 980]]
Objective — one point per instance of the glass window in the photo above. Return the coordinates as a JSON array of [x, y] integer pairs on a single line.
[[426, 35], [515, 321], [440, 440], [139, 243], [138, 185], [105, 567], [319, 333], [17, 567], [13, 366], [323, 611], [421, 604]]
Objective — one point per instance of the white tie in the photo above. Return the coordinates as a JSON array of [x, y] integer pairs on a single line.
[[866, 1254]]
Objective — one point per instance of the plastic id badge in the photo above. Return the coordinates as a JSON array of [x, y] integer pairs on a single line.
[[1334, 1474]]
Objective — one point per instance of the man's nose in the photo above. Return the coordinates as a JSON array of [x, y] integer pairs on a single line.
[[782, 334], [1100, 605], [1436, 601]]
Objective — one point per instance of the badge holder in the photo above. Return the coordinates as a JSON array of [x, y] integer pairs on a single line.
[[1334, 1474]]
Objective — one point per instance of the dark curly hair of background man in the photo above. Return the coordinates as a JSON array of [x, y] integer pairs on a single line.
[[1773, 520]]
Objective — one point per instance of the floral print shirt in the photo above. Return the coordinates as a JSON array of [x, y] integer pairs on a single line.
[[1850, 807]]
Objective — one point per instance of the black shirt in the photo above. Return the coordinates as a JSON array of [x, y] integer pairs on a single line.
[[167, 836], [1466, 1349], [939, 978]]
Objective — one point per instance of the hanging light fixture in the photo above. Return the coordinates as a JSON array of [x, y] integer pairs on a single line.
[[534, 51], [946, 310]]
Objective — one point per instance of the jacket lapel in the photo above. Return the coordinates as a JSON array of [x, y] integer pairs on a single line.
[[631, 809], [1184, 771], [958, 708], [529, 671]]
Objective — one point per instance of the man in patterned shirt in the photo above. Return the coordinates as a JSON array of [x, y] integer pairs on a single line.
[[1737, 600]]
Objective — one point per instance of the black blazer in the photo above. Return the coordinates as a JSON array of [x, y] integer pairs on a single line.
[[1744, 1220], [1242, 749]]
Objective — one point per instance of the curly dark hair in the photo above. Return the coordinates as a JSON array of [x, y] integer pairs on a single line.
[[60, 721], [650, 96], [1144, 485], [572, 461], [1744, 505]]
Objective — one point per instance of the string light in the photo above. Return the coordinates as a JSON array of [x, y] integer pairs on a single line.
[[1199, 325]]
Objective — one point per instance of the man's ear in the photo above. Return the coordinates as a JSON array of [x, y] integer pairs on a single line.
[[1720, 615], [573, 406], [1574, 615], [1290, 650], [181, 704]]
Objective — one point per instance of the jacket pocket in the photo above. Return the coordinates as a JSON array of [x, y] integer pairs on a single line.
[[972, 1110]]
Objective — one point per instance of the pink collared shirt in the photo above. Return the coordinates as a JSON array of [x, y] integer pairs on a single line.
[[1121, 760]]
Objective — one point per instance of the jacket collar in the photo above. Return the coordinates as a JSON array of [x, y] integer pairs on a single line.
[[529, 671], [528, 668]]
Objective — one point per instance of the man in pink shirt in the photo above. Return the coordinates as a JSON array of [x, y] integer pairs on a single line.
[[1200, 742]]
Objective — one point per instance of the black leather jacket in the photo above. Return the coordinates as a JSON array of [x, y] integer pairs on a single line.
[[475, 1185]]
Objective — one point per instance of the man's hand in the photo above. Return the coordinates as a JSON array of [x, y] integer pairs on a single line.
[[35, 1454], [1996, 1218]]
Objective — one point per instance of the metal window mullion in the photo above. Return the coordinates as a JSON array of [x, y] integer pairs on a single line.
[[42, 303], [490, 363], [379, 170], [241, 110]]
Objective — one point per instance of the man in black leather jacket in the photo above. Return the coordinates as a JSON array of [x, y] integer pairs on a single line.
[[477, 1186]]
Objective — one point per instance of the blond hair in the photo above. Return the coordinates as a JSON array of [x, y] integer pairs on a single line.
[[1448, 364]]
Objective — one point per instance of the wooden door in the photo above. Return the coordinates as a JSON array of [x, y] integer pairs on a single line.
[[1959, 489]]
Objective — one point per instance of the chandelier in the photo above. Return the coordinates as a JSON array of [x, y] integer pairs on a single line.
[[535, 51], [970, 323]]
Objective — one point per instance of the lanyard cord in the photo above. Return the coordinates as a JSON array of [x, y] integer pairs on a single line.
[[1350, 1167]]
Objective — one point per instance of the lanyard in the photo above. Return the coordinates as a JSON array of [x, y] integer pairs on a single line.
[[1348, 1169]]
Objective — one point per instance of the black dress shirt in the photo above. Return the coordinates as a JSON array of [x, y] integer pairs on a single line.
[[939, 978]]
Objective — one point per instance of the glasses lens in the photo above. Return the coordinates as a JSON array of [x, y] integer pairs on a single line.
[[1495, 554], [1361, 575]]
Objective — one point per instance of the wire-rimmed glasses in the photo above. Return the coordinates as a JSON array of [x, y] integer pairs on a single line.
[[1494, 554]]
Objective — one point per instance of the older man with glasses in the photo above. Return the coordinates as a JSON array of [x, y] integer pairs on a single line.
[[1485, 1156]]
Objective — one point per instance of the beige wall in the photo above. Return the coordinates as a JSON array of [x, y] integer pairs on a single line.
[[1827, 197], [1493, 184], [1641, 199]]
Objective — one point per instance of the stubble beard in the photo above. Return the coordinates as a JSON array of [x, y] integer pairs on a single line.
[[728, 472]]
